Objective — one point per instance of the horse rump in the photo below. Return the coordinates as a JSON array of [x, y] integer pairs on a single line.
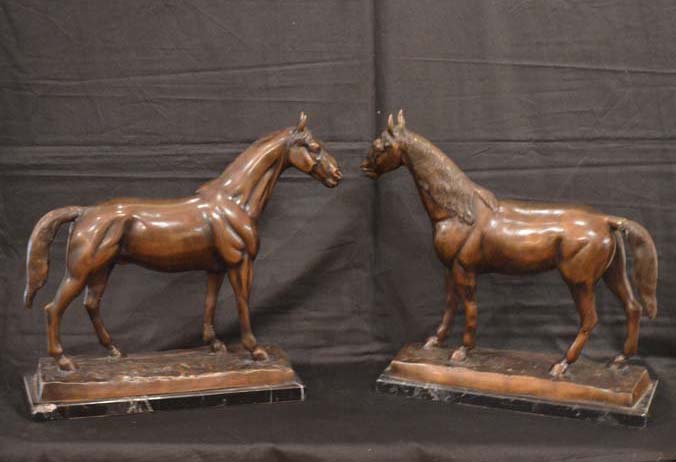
[[644, 275]]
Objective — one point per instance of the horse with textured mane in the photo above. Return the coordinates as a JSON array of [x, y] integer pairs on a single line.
[[213, 231], [475, 233]]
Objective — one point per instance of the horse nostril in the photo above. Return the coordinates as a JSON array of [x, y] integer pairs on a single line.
[[339, 174]]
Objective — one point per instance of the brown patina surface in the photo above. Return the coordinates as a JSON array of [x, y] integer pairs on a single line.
[[175, 371], [475, 232], [214, 230], [522, 373]]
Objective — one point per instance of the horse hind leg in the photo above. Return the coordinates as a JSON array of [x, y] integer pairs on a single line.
[[618, 283], [583, 294], [214, 281], [96, 285], [69, 288]]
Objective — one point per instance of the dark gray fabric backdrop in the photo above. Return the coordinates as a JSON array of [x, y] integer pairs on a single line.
[[562, 100]]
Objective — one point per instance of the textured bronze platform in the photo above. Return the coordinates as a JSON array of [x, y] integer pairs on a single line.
[[161, 380], [521, 381]]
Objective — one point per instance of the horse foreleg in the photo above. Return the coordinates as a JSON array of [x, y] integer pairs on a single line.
[[214, 281], [584, 297], [466, 285], [448, 316], [241, 278], [69, 288], [96, 284]]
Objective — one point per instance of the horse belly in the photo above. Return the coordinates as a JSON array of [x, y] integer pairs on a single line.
[[521, 253], [171, 247]]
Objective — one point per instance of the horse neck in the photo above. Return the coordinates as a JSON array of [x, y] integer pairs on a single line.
[[443, 187], [249, 180]]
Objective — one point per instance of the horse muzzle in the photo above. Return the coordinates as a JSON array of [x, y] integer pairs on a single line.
[[333, 180], [368, 170]]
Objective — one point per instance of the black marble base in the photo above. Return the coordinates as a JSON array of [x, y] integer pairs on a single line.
[[248, 395], [636, 416]]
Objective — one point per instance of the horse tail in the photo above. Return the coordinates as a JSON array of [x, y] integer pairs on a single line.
[[644, 276], [37, 258]]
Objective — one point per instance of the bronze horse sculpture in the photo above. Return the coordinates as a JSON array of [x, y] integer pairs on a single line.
[[475, 233], [213, 231]]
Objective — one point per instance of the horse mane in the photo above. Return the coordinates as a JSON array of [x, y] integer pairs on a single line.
[[441, 180], [253, 148]]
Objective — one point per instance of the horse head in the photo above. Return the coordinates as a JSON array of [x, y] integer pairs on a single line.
[[385, 153], [309, 155]]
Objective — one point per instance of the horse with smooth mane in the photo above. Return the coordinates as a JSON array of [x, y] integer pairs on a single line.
[[476, 233], [213, 231]]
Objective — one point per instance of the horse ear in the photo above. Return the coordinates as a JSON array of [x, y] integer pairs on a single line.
[[390, 125], [302, 122], [400, 119]]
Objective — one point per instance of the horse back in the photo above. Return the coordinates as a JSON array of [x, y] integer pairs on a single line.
[[164, 235], [528, 237]]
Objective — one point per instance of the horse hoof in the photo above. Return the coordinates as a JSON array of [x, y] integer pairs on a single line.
[[459, 355], [559, 369], [618, 361], [115, 353], [65, 363], [217, 346], [432, 342], [259, 354]]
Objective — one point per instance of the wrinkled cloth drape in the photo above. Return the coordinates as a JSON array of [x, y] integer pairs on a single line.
[[558, 101]]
